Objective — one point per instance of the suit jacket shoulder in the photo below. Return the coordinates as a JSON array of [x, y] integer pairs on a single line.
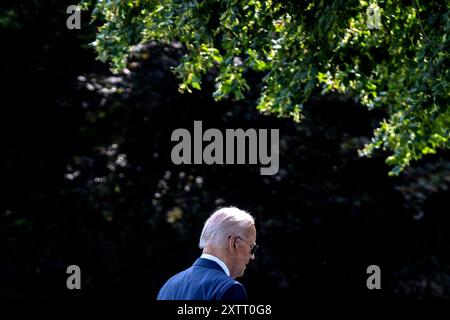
[[205, 280]]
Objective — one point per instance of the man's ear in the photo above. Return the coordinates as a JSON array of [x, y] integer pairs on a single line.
[[232, 243]]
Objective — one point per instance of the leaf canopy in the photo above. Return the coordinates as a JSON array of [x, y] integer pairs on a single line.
[[400, 64]]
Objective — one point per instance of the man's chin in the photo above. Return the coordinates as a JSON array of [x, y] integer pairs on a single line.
[[239, 275]]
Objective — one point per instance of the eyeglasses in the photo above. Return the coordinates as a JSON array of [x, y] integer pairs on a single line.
[[253, 247]]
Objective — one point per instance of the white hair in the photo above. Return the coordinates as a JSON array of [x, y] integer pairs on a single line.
[[223, 223]]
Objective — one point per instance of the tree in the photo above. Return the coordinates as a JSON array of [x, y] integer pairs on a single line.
[[400, 64]]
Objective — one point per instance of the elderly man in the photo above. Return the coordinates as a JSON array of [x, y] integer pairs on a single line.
[[228, 241]]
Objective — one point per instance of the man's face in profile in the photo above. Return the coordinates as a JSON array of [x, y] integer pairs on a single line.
[[244, 254]]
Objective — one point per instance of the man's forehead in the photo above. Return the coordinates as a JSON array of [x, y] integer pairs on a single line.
[[251, 231]]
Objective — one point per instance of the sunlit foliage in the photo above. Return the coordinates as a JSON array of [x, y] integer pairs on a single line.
[[304, 47]]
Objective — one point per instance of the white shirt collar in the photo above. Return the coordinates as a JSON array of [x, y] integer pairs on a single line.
[[217, 260]]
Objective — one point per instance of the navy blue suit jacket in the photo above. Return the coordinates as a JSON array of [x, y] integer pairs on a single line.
[[205, 280]]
